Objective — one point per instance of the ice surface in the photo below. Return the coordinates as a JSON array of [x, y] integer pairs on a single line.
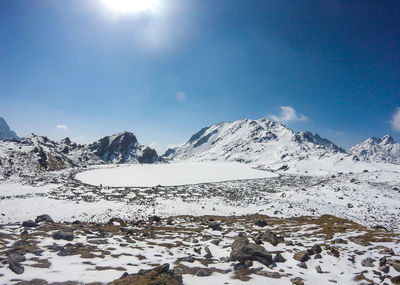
[[148, 175]]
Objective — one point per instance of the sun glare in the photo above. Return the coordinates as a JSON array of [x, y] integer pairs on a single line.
[[131, 6]]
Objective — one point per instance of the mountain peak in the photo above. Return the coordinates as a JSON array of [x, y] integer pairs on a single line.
[[247, 140], [387, 139], [5, 132]]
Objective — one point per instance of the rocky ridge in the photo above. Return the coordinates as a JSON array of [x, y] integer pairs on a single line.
[[252, 141], [34, 154]]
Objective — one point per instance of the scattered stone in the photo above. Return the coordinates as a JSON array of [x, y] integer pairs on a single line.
[[302, 265], [195, 241], [202, 273], [216, 241], [318, 256], [44, 218], [360, 241], [208, 253], [279, 258], [261, 223], [242, 250], [215, 227], [384, 268], [318, 269], [340, 240], [396, 265], [16, 267], [316, 248], [272, 238], [334, 251], [301, 256], [395, 280], [154, 219], [189, 259], [297, 281], [29, 224], [63, 235], [368, 262]]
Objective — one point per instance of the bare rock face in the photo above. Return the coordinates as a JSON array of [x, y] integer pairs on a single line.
[[5, 132], [242, 250]]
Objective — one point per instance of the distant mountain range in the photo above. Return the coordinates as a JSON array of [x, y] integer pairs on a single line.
[[5, 132], [377, 150], [249, 141]]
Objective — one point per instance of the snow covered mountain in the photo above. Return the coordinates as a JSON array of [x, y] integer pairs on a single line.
[[37, 153], [260, 141], [377, 150], [5, 132]]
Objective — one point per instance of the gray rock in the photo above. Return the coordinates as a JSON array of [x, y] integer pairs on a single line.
[[242, 250], [63, 235], [301, 256], [208, 253], [216, 241], [272, 238], [302, 265], [29, 224], [44, 218], [297, 281], [202, 273], [318, 269], [316, 248], [279, 258], [368, 262]]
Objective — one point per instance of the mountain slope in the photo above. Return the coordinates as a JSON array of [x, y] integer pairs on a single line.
[[377, 150], [257, 141], [37, 153], [5, 132]]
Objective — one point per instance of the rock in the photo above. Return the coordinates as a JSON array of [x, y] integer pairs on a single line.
[[384, 268], [395, 280], [197, 250], [361, 241], [216, 241], [316, 248], [189, 259], [318, 256], [382, 261], [368, 262], [154, 219], [44, 218], [269, 274], [279, 258], [261, 223], [208, 253], [63, 235], [116, 221], [318, 269], [335, 252], [340, 240], [15, 258], [16, 267], [29, 224], [302, 265], [195, 240], [297, 281], [242, 250], [202, 273], [215, 227], [350, 205], [301, 256], [271, 238], [158, 275], [396, 265]]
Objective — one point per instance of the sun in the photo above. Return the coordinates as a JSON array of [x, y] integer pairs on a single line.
[[131, 6]]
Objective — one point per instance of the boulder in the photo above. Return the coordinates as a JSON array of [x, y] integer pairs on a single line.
[[63, 235], [242, 250], [44, 218], [301, 256]]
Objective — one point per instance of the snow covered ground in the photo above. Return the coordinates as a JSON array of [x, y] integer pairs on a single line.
[[183, 173]]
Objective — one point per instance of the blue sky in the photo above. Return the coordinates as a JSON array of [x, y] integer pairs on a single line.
[[81, 69]]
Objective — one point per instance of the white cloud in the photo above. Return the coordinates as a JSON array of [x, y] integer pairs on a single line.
[[288, 114], [62, 127], [395, 121], [181, 96]]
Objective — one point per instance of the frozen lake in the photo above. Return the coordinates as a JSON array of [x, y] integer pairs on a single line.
[[147, 175]]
